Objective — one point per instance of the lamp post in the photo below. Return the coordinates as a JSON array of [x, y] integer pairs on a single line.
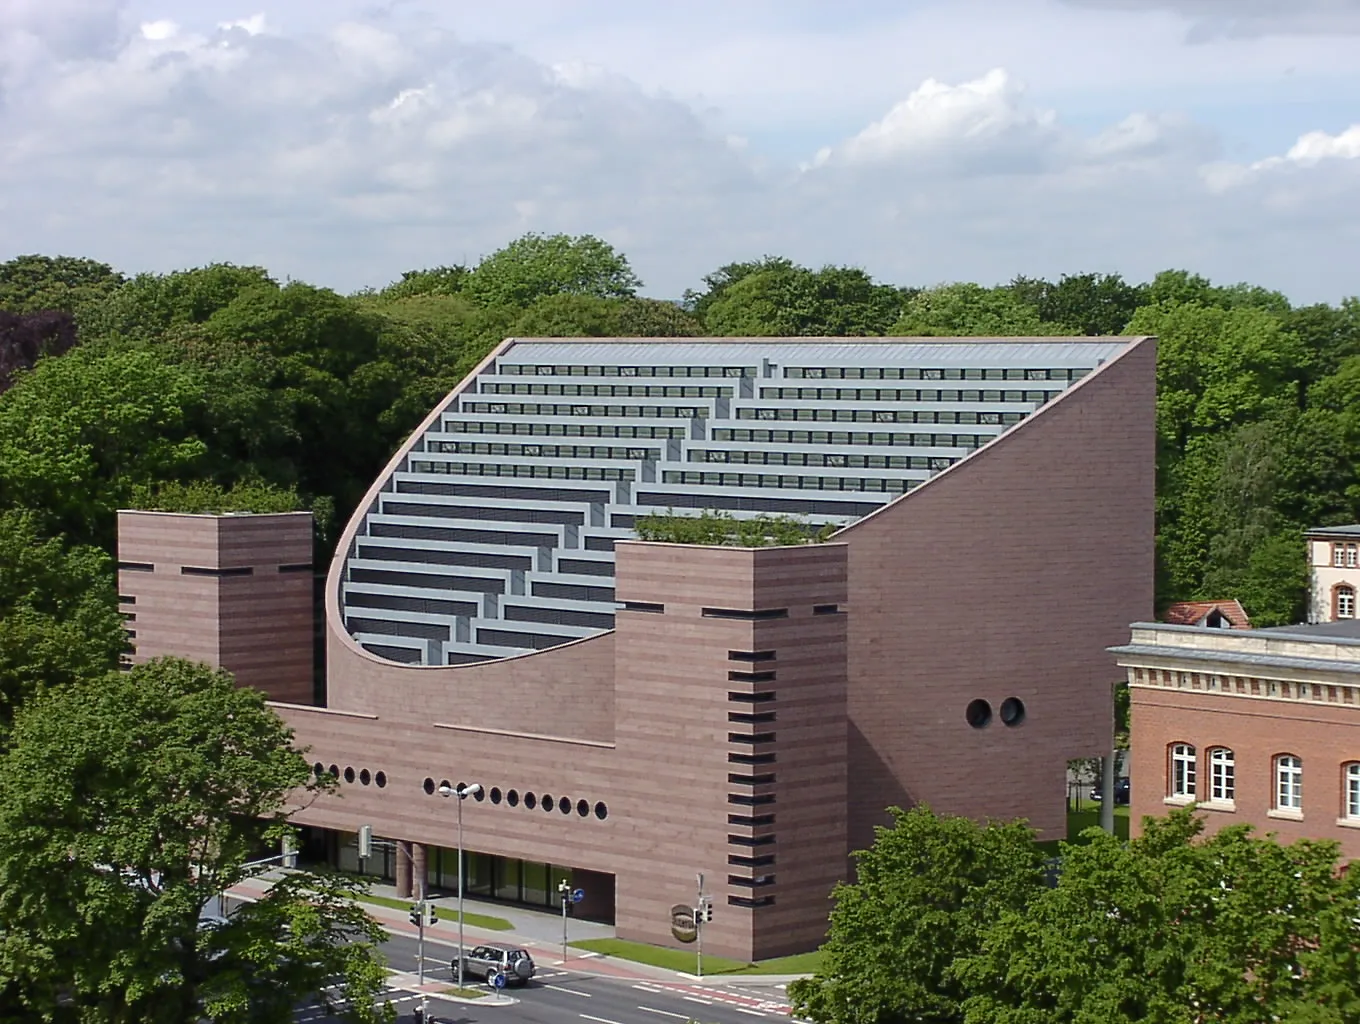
[[462, 793]]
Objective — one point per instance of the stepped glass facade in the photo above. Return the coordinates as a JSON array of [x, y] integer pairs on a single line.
[[640, 713]]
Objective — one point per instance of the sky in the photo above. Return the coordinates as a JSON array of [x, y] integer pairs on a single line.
[[342, 142]]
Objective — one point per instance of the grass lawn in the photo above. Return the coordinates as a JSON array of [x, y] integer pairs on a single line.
[[684, 959], [463, 993], [496, 924]]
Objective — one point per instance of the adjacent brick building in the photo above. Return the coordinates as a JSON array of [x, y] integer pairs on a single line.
[[638, 714]]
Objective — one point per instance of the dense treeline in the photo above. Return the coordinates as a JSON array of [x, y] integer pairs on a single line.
[[220, 386]]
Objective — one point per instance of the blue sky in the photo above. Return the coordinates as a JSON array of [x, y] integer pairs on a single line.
[[343, 141]]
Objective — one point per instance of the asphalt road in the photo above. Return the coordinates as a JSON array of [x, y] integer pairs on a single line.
[[560, 997]]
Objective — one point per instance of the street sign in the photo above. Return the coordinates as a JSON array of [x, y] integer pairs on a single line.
[[577, 895], [498, 981]]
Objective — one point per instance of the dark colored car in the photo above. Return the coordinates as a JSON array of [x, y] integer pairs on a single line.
[[1121, 793], [487, 961]]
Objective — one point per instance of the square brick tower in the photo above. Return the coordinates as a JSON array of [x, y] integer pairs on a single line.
[[233, 590]]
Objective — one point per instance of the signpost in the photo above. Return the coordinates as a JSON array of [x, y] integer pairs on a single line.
[[498, 983], [567, 895]]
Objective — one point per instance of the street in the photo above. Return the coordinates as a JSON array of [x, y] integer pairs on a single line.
[[556, 996]]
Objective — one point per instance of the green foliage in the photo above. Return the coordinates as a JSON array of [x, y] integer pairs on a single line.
[[205, 496], [1086, 304], [127, 802], [59, 618], [722, 529], [969, 310], [927, 893], [783, 300], [435, 281], [32, 284], [149, 305], [535, 266]]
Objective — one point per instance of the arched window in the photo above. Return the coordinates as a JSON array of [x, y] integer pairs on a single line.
[[1182, 770], [1222, 769], [1288, 783], [1343, 601], [1350, 784]]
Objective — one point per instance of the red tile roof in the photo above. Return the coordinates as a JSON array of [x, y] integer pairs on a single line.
[[1193, 613]]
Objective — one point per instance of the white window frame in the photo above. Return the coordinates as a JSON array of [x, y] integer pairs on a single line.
[[1222, 775], [1350, 788], [1345, 601], [1352, 555], [1338, 556], [1183, 771], [1289, 783]]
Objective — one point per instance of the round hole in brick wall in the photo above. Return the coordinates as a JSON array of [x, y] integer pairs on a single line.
[[349, 774], [428, 786], [380, 779], [445, 784], [530, 801], [978, 713], [495, 795], [583, 808], [365, 777], [601, 811], [512, 798], [1012, 711], [334, 770], [480, 795], [564, 805], [318, 769], [547, 803]]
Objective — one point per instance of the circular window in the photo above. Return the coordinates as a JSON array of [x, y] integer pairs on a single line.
[[548, 803], [601, 811], [365, 777], [318, 769], [445, 784], [512, 798], [1012, 711], [978, 713], [381, 780], [427, 785], [564, 805], [495, 795], [334, 770], [583, 808], [349, 774], [480, 795], [530, 801], [460, 788]]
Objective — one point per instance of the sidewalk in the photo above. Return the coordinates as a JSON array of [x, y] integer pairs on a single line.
[[539, 933]]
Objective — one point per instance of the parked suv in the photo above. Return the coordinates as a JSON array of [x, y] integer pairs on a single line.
[[1121, 793], [492, 959]]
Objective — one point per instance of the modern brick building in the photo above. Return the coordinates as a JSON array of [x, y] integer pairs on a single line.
[[639, 713]]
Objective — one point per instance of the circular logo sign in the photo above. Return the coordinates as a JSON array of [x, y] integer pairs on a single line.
[[682, 923]]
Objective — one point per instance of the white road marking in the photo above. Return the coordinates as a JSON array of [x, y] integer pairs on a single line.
[[601, 1020], [692, 999], [664, 1013], [569, 991], [753, 1013], [649, 988]]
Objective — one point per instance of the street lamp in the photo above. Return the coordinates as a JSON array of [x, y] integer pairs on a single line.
[[462, 793]]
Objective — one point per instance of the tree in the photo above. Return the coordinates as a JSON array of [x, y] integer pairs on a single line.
[[434, 281], [534, 266], [784, 300], [717, 283], [25, 337], [127, 802], [970, 310], [149, 305], [204, 496], [927, 892], [1173, 926], [1088, 304], [36, 284], [59, 618]]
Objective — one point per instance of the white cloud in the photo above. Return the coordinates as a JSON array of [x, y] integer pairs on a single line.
[[369, 146]]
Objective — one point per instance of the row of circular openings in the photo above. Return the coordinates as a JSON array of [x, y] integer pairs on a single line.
[[364, 776], [979, 712], [512, 797]]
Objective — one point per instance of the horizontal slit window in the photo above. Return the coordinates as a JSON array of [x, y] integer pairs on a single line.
[[759, 697], [126, 599], [750, 840], [826, 609], [738, 861], [751, 656], [137, 566], [746, 616], [296, 567], [751, 677], [751, 758], [750, 820], [643, 606], [754, 737], [752, 902], [198, 570], [751, 717], [759, 881], [750, 799], [750, 780]]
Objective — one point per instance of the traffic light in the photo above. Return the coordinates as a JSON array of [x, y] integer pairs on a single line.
[[431, 916], [698, 916], [365, 841], [415, 913], [708, 910]]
